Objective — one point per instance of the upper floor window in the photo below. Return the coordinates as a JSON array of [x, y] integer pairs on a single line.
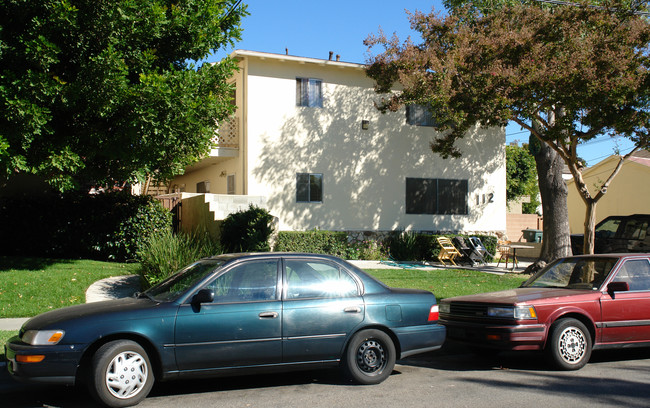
[[436, 196], [419, 115], [309, 187], [309, 92]]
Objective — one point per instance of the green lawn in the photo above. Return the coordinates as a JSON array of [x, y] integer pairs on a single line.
[[29, 286], [445, 283]]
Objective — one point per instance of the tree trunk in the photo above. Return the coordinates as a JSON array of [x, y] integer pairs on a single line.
[[590, 227], [556, 240]]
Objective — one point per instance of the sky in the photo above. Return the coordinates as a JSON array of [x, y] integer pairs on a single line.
[[314, 28]]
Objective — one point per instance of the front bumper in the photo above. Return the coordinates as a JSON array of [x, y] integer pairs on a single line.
[[419, 339], [498, 336], [58, 367]]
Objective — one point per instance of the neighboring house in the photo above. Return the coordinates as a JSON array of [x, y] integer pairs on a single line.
[[308, 143], [628, 193]]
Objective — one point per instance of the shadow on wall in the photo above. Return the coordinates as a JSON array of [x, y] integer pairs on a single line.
[[364, 171]]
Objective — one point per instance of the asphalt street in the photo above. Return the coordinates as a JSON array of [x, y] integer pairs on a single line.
[[452, 377]]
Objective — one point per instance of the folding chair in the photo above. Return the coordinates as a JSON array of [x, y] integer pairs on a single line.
[[447, 251], [506, 252], [465, 250], [479, 251]]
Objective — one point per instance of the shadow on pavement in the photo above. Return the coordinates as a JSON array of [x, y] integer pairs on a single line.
[[458, 357]]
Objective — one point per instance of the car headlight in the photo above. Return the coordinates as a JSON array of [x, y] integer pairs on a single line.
[[525, 313], [510, 312], [444, 308], [505, 312], [42, 337]]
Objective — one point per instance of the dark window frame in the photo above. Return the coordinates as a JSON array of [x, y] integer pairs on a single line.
[[306, 95], [311, 189], [419, 115], [434, 196]]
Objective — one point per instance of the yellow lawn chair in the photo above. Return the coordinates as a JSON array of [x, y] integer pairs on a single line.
[[447, 251]]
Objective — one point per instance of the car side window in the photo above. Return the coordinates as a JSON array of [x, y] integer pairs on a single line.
[[635, 229], [250, 281], [636, 273], [315, 279]]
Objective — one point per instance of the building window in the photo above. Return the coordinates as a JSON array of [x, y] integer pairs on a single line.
[[309, 92], [419, 115], [203, 187], [309, 188], [436, 196]]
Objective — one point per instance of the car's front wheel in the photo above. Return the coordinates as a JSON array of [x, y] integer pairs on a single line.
[[121, 374], [569, 345], [369, 357]]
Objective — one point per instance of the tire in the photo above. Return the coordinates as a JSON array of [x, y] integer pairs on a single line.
[[569, 345], [369, 357], [109, 385]]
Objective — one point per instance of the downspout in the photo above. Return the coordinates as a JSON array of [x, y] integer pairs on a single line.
[[244, 127]]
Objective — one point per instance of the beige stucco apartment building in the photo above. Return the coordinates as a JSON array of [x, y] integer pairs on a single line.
[[308, 143]]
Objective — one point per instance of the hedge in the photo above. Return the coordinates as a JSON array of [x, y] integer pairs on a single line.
[[315, 242], [109, 226], [401, 246]]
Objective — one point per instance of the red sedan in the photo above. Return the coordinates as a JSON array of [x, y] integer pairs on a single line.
[[569, 308]]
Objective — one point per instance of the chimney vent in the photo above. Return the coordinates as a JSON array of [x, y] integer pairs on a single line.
[[331, 53], [338, 57]]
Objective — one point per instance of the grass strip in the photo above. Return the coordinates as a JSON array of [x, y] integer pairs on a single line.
[[445, 283], [29, 286]]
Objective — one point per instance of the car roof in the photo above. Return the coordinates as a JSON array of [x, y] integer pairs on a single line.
[[613, 255], [246, 255]]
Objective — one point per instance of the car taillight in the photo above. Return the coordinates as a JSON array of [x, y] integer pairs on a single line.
[[433, 314]]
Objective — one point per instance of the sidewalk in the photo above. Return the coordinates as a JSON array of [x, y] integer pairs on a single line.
[[125, 286]]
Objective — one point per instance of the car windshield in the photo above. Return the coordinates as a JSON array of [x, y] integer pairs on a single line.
[[573, 273], [180, 282]]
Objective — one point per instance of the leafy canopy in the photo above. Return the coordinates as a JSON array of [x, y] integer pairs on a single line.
[[567, 73], [588, 67], [104, 89], [521, 174]]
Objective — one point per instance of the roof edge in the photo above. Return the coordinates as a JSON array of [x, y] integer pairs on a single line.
[[293, 58]]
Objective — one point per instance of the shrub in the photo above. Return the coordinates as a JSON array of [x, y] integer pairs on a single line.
[[135, 220], [370, 250], [109, 226], [165, 253], [315, 242], [410, 246], [403, 246], [247, 231]]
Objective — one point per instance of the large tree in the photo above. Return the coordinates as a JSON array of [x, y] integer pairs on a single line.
[[106, 90], [565, 73]]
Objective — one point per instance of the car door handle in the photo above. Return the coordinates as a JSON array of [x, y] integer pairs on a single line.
[[352, 309], [268, 315]]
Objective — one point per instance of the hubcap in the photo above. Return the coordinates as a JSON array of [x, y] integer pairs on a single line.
[[371, 357], [126, 374], [573, 345]]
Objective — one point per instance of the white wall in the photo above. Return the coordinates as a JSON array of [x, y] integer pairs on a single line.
[[364, 172]]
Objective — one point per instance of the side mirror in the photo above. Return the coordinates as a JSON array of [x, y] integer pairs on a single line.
[[203, 296], [617, 287]]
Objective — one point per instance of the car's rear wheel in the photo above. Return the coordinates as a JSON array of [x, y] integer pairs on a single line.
[[369, 357], [121, 374], [569, 345]]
